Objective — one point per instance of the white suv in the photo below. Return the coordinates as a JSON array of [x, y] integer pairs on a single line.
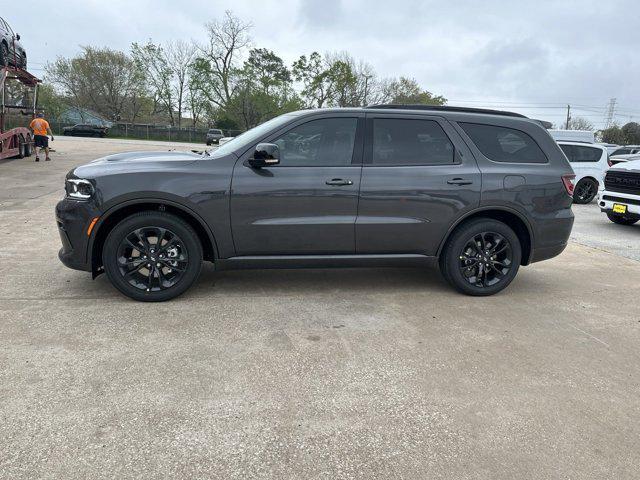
[[620, 199], [589, 163]]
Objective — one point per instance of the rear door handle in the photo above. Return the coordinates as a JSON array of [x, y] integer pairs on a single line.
[[459, 181], [339, 182]]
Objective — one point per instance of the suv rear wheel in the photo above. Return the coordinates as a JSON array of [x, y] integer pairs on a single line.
[[481, 257], [152, 256]]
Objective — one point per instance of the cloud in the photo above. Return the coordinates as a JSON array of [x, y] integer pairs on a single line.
[[520, 52]]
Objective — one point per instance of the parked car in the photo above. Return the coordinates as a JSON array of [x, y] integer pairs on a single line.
[[615, 159], [589, 163], [85, 130], [11, 50], [477, 192], [620, 199], [213, 136], [611, 147], [626, 150]]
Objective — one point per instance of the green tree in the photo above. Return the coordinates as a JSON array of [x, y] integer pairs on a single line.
[[407, 91], [631, 132], [50, 101], [100, 79]]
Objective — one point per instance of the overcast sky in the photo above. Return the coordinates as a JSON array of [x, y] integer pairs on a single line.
[[509, 54]]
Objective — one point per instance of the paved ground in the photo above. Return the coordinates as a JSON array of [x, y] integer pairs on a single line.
[[373, 373]]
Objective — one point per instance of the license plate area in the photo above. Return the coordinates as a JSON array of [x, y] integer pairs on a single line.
[[619, 208]]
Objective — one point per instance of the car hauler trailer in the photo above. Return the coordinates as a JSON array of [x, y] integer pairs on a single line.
[[18, 95]]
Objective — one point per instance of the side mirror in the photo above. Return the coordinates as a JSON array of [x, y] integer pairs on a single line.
[[265, 155], [18, 36]]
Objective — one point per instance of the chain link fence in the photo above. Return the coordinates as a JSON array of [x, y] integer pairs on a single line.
[[140, 131]]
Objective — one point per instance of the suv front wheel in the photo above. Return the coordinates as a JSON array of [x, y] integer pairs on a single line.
[[481, 257], [152, 256]]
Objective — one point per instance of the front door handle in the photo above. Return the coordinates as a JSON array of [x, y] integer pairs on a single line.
[[339, 182], [459, 181]]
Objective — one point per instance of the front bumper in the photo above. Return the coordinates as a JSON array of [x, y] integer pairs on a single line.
[[606, 200], [73, 218]]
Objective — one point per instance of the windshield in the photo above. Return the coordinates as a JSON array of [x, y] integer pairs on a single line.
[[250, 136]]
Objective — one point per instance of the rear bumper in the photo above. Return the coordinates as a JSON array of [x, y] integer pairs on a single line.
[[73, 219], [552, 236]]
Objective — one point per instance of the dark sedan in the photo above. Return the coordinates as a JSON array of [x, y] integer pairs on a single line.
[[85, 130]]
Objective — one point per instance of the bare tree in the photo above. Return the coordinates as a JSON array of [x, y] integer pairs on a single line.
[[167, 69], [580, 123], [227, 40]]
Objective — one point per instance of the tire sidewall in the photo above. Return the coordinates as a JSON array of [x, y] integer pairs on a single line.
[[152, 219], [460, 237]]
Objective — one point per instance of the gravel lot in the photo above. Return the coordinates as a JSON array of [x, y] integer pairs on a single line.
[[371, 373]]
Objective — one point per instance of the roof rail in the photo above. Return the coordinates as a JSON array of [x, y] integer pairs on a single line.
[[441, 108]]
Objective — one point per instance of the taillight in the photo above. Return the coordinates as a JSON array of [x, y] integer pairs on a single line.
[[568, 183]]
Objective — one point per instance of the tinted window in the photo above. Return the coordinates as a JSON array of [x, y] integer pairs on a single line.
[[324, 142], [399, 141], [586, 154], [502, 144], [621, 151], [578, 153]]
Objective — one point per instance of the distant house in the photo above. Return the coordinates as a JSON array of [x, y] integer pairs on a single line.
[[75, 115]]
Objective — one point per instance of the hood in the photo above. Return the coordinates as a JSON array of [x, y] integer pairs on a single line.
[[627, 166], [130, 162]]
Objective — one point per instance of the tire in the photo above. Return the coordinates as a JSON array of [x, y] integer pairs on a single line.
[[4, 55], [146, 284], [621, 219], [585, 191], [462, 246], [22, 147], [28, 147]]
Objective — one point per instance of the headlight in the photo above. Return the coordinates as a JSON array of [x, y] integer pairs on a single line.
[[78, 188]]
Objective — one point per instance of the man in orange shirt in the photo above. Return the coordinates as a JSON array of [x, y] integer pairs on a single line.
[[40, 129]]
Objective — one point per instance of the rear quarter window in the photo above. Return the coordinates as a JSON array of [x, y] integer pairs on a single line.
[[578, 153], [502, 144]]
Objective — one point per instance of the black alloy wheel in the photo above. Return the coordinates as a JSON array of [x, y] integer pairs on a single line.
[[585, 191], [152, 256], [486, 259], [481, 257]]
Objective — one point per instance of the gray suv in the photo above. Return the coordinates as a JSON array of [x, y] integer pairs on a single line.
[[477, 192]]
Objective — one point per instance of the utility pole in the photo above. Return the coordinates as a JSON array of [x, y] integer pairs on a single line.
[[568, 117]]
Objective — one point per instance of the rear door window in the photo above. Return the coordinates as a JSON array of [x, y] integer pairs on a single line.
[[400, 141], [502, 144]]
